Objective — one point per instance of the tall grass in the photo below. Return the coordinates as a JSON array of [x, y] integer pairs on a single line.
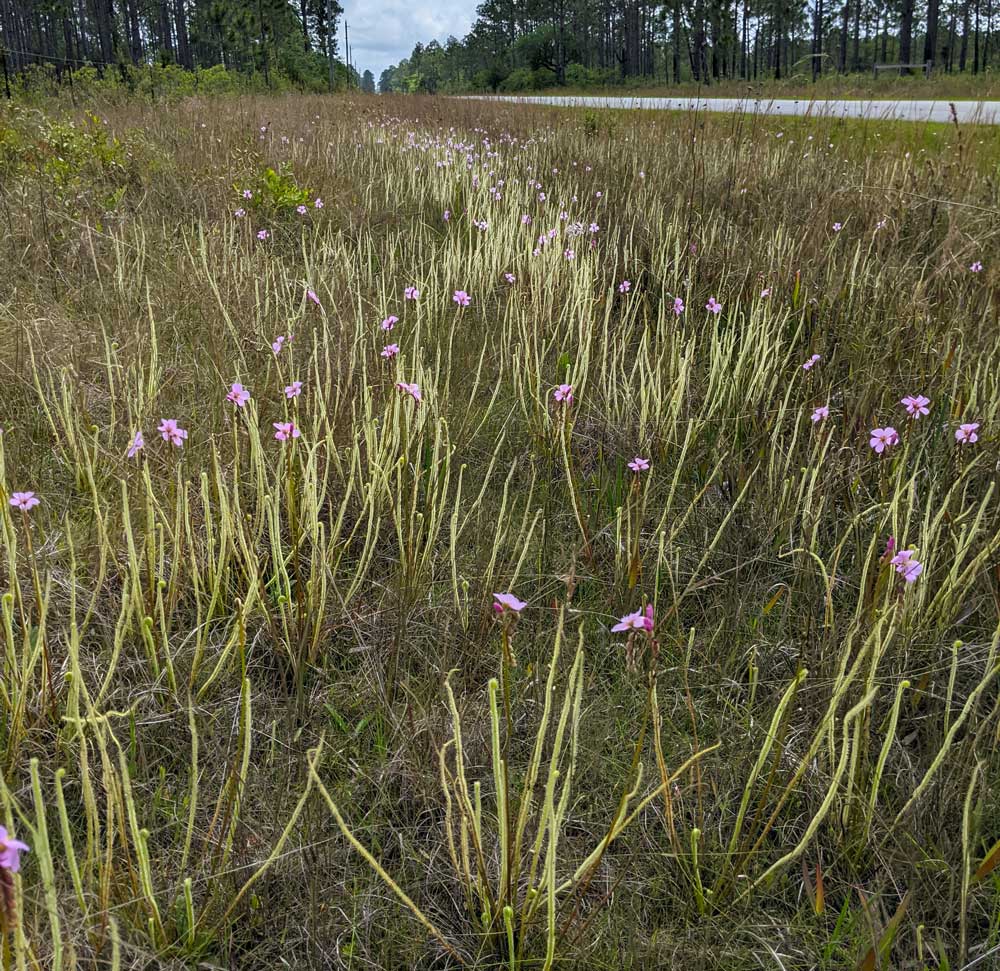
[[258, 705]]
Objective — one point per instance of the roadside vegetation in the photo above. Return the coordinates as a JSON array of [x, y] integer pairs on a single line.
[[440, 534]]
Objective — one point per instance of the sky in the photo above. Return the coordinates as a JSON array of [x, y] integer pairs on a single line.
[[383, 32]]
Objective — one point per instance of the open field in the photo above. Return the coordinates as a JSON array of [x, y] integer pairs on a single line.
[[301, 384]]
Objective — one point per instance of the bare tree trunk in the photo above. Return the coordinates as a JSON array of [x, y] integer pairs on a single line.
[[930, 38]]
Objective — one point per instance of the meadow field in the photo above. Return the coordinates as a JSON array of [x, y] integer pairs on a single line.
[[447, 535]]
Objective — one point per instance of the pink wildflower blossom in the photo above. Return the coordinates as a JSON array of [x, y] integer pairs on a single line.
[[966, 434], [238, 395], [171, 432], [504, 602], [882, 438], [24, 501]]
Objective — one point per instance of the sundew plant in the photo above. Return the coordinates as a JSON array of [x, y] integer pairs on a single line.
[[448, 535]]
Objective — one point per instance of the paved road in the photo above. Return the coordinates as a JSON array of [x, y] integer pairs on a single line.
[[984, 112]]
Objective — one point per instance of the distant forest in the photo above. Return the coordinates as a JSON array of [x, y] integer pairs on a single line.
[[272, 42], [516, 45]]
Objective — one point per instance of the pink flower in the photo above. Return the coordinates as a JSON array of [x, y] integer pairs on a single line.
[[906, 566], [10, 851], [301, 210], [639, 464], [808, 366], [278, 343], [390, 351], [284, 430], [263, 234], [564, 393], [446, 215], [504, 602], [639, 620], [25, 501], [238, 395], [882, 438], [510, 278], [678, 306], [318, 204], [625, 286], [916, 405], [413, 390], [171, 432], [977, 267], [713, 306], [765, 293], [293, 390], [837, 227], [570, 254], [311, 294], [247, 194], [390, 322], [461, 298], [411, 293], [240, 213], [823, 411], [966, 434], [138, 443]]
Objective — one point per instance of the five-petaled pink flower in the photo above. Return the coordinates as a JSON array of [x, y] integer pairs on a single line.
[[412, 389], [823, 411], [10, 851], [462, 298], [389, 351], [301, 210], [390, 322], [564, 393], [678, 306], [713, 306], [765, 293], [882, 438], [837, 227], [278, 343], [625, 286], [263, 234], [639, 464], [906, 566], [510, 278], [977, 267], [318, 204], [293, 390], [311, 294], [639, 620], [916, 405], [24, 501], [411, 293], [508, 603], [966, 434], [171, 432], [238, 395], [808, 366], [284, 430]]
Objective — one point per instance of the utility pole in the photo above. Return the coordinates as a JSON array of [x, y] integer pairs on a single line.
[[330, 36], [347, 55]]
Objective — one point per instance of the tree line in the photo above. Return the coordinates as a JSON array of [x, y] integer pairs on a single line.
[[521, 44], [291, 40]]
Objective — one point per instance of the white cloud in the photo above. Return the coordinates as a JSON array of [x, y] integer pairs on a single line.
[[383, 32]]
